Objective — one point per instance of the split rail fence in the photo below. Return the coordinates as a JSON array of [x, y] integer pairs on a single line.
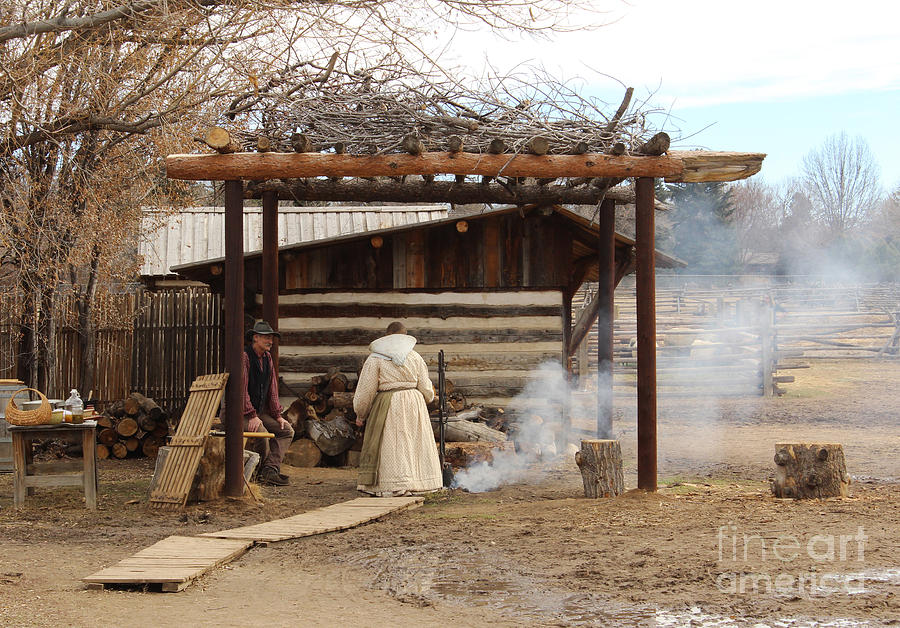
[[734, 341]]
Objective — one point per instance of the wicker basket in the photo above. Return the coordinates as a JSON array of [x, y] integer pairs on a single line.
[[38, 416]]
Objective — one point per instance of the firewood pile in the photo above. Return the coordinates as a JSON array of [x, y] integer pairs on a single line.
[[325, 432], [134, 426], [324, 423]]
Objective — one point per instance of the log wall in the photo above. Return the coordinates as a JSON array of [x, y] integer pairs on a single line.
[[491, 339]]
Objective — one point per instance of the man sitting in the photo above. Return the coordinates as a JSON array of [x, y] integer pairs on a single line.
[[261, 408]]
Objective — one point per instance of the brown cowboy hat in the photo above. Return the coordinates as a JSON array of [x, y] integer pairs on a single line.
[[262, 328]]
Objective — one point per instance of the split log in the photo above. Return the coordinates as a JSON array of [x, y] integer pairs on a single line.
[[464, 454], [332, 437], [810, 470], [342, 400], [600, 462], [336, 383], [127, 427], [468, 432], [108, 437], [297, 414], [131, 406], [102, 452], [104, 421], [303, 452], [150, 447], [119, 450]]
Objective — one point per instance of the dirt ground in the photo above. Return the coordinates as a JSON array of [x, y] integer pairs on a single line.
[[711, 548]]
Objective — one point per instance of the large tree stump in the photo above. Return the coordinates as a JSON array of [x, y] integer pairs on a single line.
[[600, 462], [810, 470], [210, 477]]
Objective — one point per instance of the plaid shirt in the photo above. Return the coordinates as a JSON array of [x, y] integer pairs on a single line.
[[273, 405]]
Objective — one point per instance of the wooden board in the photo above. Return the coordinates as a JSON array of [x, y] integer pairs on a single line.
[[172, 563], [328, 519], [171, 488]]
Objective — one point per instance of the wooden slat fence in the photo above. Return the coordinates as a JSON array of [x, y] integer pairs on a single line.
[[178, 335], [154, 343]]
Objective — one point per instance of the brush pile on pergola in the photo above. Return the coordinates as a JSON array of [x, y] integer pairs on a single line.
[[406, 148]]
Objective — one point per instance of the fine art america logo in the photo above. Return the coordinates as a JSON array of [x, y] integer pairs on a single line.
[[777, 553]]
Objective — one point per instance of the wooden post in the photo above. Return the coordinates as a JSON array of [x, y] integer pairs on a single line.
[[646, 333], [767, 358], [606, 288], [563, 436], [234, 332], [270, 266]]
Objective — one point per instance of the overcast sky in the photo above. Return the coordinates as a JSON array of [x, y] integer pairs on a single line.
[[769, 76]]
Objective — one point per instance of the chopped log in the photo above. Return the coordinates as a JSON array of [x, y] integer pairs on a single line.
[[412, 145], [342, 400], [104, 421], [150, 447], [131, 444], [300, 143], [263, 144], [131, 406], [497, 146], [220, 140], [332, 437], [210, 477], [464, 454], [467, 432], [303, 452], [161, 430], [656, 145], [539, 145], [600, 462], [115, 409], [336, 383], [297, 414], [810, 470], [119, 450], [455, 144], [108, 437], [126, 427], [102, 451], [147, 406], [147, 424]]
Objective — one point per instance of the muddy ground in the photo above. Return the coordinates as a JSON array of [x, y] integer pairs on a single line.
[[531, 553]]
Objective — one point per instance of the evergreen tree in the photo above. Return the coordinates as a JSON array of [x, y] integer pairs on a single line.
[[702, 232]]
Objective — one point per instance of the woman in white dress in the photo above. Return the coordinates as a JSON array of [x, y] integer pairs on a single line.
[[399, 455]]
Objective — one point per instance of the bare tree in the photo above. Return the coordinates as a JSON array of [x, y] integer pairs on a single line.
[[757, 212], [841, 180], [93, 93]]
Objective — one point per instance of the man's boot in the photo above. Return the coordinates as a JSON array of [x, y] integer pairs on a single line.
[[270, 476]]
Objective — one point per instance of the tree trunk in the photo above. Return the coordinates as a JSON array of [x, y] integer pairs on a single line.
[[303, 452], [810, 470], [600, 462]]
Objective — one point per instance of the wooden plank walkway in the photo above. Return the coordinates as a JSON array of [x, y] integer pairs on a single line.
[[328, 519], [172, 563], [176, 561]]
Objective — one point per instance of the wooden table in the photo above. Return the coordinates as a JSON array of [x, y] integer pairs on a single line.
[[29, 475]]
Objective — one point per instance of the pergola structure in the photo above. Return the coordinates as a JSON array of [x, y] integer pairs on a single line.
[[520, 178]]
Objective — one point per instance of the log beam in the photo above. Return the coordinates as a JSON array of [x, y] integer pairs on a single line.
[[260, 166], [365, 191]]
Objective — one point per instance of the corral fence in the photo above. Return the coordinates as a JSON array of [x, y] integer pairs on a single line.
[[155, 343], [746, 339]]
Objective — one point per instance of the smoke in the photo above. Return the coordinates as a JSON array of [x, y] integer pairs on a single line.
[[538, 430]]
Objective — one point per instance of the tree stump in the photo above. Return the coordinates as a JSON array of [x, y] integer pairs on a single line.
[[303, 452], [210, 478], [600, 462], [810, 470]]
